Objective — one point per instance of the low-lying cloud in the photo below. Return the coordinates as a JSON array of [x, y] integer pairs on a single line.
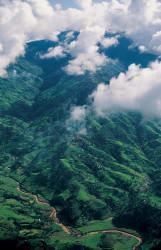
[[77, 120], [57, 52], [86, 57], [139, 89], [21, 21], [108, 42]]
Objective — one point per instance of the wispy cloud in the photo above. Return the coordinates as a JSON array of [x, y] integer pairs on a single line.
[[77, 120], [54, 52]]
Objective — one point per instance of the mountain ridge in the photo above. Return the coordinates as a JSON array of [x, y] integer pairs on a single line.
[[110, 171]]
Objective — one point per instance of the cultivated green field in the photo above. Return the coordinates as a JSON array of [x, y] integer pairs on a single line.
[[101, 173]]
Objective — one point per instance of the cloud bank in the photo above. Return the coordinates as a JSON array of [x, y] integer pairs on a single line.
[[21, 21], [139, 89]]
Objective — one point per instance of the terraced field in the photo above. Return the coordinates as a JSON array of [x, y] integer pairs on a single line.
[[93, 176]]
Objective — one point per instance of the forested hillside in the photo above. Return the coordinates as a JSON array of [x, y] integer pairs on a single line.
[[101, 173]]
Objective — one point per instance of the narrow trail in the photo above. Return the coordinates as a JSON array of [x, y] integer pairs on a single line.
[[66, 230], [13, 160], [52, 215], [120, 232]]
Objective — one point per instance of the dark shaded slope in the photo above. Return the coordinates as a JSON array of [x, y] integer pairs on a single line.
[[109, 169]]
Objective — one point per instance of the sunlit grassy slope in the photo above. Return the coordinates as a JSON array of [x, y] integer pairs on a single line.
[[111, 171]]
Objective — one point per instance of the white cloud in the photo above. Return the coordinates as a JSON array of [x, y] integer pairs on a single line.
[[54, 52], [16, 20], [84, 4], [1, 47], [142, 49], [156, 42], [58, 6], [14, 73], [86, 57], [138, 89], [70, 34], [78, 113], [77, 120], [108, 42], [41, 8], [24, 20]]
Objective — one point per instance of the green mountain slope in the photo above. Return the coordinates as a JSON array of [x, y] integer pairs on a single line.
[[113, 170]]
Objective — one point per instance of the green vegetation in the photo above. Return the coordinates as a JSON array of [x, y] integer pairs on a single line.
[[112, 171], [97, 226], [93, 241], [110, 241], [21, 218]]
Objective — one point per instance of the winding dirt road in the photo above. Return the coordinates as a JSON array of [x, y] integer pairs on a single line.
[[120, 232], [52, 215], [57, 222], [66, 230]]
